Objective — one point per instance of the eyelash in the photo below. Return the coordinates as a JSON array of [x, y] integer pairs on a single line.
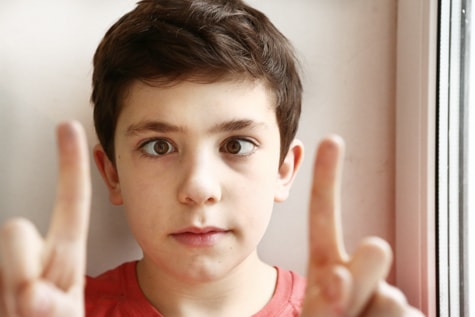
[[172, 148], [143, 147], [253, 144]]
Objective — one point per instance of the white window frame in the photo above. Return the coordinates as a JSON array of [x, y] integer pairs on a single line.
[[415, 261]]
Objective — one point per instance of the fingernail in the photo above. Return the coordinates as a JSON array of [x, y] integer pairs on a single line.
[[66, 128]]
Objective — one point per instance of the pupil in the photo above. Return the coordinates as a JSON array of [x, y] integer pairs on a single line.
[[234, 147], [161, 147]]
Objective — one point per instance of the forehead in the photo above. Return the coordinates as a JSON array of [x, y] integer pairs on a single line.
[[194, 100]]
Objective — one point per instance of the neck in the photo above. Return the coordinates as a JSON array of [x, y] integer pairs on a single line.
[[241, 292]]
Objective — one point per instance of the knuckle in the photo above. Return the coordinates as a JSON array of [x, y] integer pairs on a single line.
[[376, 253], [393, 300], [14, 226], [378, 246], [413, 312]]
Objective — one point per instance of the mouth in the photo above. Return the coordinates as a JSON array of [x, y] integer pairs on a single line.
[[200, 237]]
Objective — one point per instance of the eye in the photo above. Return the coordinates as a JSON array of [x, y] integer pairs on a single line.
[[238, 146], [158, 147]]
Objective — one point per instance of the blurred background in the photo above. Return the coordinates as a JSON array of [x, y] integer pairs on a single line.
[[347, 50]]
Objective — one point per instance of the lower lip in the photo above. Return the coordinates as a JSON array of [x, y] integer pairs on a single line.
[[207, 239]]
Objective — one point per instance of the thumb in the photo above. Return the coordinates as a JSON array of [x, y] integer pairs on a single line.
[[43, 299], [328, 293]]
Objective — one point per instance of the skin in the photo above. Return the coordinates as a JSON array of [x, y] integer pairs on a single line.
[[199, 183], [45, 276]]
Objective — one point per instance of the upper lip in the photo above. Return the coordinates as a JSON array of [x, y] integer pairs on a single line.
[[200, 230]]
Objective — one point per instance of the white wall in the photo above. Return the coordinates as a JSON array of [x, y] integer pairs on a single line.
[[347, 50]]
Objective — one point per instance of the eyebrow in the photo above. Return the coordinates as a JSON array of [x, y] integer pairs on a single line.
[[236, 125], [163, 127], [155, 126]]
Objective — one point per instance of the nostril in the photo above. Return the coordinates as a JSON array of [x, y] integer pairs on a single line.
[[199, 196], [199, 184]]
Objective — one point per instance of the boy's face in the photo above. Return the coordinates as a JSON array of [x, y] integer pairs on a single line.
[[197, 169]]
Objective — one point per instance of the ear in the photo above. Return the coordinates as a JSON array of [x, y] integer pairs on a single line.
[[288, 170], [109, 174]]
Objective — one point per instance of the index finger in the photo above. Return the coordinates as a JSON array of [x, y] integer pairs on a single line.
[[64, 257], [326, 241], [73, 197]]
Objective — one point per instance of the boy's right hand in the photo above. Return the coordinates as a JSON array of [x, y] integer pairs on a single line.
[[44, 277]]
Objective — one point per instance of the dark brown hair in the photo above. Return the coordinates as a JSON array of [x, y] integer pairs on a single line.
[[166, 41]]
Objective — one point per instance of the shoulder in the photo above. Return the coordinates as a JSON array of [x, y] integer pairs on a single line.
[[116, 293], [288, 296], [293, 285]]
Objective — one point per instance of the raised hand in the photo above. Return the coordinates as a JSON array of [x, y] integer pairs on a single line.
[[45, 277], [340, 285]]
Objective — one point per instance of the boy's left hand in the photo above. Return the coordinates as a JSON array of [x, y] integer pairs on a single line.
[[338, 284]]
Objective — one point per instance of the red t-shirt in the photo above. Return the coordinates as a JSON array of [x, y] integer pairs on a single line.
[[116, 293]]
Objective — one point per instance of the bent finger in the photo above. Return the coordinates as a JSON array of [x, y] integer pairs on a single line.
[[369, 267], [391, 302], [330, 295], [42, 299], [21, 247]]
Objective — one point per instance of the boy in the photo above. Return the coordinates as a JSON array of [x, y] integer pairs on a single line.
[[196, 106]]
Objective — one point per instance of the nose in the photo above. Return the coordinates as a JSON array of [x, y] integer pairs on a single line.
[[199, 183]]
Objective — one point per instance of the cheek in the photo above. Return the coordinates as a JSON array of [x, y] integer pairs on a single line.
[[256, 223], [142, 183], [256, 199], [145, 215], [144, 201]]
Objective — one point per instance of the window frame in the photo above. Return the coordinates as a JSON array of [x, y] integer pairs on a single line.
[[452, 133], [416, 80]]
